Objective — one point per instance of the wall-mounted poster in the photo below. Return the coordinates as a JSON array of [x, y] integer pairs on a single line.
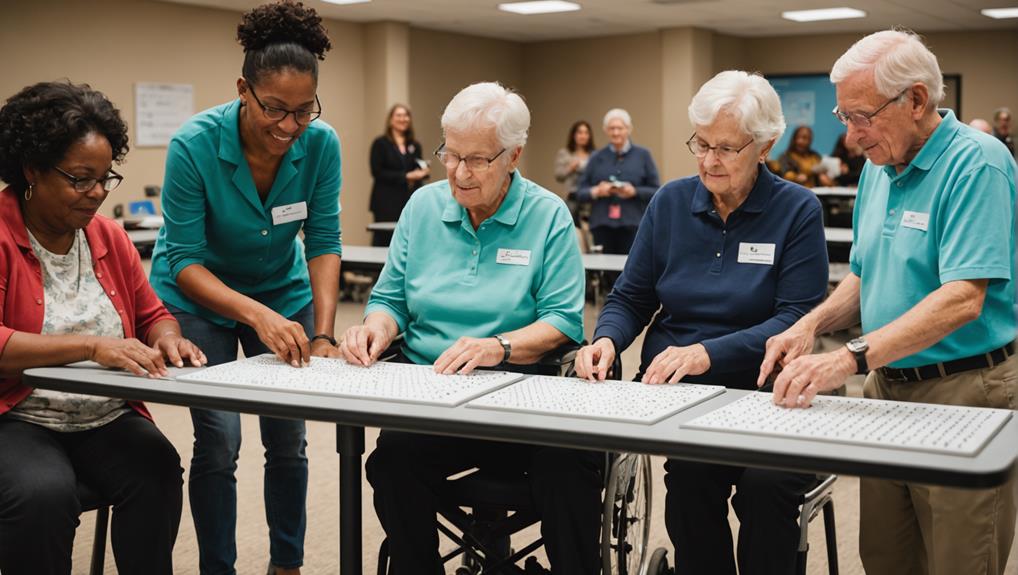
[[160, 110]]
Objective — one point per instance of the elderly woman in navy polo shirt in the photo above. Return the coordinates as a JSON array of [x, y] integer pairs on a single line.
[[731, 257]]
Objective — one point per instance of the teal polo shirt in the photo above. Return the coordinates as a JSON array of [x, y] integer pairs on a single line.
[[443, 280], [948, 216], [213, 216]]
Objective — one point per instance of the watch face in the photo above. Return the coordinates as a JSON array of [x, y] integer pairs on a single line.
[[857, 345]]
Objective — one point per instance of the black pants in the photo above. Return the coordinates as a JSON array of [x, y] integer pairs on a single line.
[[381, 239], [128, 461], [614, 240], [766, 502], [405, 469]]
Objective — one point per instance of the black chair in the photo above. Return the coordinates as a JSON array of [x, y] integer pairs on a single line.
[[92, 501], [480, 511], [817, 499]]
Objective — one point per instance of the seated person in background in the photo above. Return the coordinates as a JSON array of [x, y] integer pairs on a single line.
[[982, 125], [730, 258], [73, 290], [483, 269], [800, 163], [852, 162]]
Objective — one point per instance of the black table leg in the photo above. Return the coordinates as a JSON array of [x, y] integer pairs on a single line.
[[350, 447]]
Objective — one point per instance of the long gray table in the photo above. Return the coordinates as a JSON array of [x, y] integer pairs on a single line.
[[993, 465], [374, 258]]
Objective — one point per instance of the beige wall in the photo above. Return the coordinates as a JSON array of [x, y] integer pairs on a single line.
[[159, 42], [442, 64]]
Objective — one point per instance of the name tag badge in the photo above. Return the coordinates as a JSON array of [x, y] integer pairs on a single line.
[[513, 257], [289, 213], [915, 220], [615, 211], [756, 253]]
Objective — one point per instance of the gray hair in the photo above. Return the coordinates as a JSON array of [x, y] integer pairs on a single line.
[[617, 114], [485, 105], [898, 59], [748, 97]]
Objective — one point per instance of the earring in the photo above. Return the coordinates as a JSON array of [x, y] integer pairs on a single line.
[[28, 192]]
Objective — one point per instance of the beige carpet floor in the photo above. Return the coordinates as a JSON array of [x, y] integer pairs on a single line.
[[322, 542]]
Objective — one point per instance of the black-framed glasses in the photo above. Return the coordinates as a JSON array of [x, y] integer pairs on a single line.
[[452, 161], [85, 185], [699, 148], [862, 119], [302, 117]]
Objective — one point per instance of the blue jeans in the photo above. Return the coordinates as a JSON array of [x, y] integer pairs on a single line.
[[212, 485]]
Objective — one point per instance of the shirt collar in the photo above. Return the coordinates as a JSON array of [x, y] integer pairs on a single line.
[[508, 212], [755, 203], [10, 210], [939, 140], [625, 148]]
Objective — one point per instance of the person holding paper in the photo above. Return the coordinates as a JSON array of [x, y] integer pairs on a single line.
[[484, 269], [721, 262], [932, 283], [243, 181], [397, 168]]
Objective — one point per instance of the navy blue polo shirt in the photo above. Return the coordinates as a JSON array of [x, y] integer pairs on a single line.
[[728, 285]]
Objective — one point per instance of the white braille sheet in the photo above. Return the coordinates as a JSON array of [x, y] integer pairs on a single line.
[[613, 400], [946, 429], [381, 381]]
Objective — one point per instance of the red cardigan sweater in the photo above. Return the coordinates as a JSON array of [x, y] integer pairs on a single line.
[[117, 267]]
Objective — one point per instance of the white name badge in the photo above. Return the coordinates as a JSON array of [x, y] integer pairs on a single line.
[[289, 213], [915, 220], [513, 257], [756, 253]]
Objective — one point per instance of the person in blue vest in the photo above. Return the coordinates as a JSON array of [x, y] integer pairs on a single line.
[[722, 261], [243, 180], [932, 284]]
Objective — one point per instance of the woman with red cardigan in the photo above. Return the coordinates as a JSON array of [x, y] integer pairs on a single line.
[[72, 288]]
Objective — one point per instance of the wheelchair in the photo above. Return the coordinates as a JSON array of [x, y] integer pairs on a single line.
[[479, 511]]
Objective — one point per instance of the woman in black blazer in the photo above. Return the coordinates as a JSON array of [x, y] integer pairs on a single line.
[[397, 168]]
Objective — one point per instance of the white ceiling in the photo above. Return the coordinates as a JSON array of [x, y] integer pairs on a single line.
[[608, 17]]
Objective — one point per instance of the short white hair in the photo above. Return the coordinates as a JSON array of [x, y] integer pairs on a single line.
[[898, 59], [748, 97], [617, 114], [486, 105]]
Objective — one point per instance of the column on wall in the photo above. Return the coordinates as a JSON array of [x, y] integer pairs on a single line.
[[687, 61]]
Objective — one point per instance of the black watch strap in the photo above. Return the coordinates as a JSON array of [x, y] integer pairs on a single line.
[[326, 337]]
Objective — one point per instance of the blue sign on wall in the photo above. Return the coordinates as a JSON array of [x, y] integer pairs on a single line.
[[807, 99]]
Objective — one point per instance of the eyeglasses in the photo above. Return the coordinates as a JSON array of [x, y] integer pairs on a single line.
[[862, 119], [699, 148], [85, 185], [452, 161], [302, 117]]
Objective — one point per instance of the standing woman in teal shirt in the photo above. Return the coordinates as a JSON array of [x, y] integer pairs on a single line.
[[242, 180]]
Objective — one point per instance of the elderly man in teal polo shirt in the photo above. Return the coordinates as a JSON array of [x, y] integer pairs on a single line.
[[483, 269], [932, 271]]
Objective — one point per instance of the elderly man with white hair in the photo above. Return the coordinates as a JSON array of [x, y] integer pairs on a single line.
[[618, 181], [721, 262], [932, 272], [483, 270]]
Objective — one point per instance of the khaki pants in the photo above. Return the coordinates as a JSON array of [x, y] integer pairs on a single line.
[[911, 528]]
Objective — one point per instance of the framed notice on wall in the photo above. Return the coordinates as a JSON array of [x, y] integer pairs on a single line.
[[160, 110]]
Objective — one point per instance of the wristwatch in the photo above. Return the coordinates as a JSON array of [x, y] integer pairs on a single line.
[[507, 347], [859, 347], [326, 337]]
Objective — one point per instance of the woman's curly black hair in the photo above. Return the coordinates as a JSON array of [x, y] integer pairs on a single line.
[[39, 124], [281, 35]]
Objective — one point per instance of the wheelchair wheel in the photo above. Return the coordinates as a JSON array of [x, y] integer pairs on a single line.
[[658, 564], [625, 517]]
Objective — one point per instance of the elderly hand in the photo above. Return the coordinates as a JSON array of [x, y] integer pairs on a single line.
[[176, 349], [469, 353], [602, 190], [805, 377], [625, 191], [322, 348], [128, 354], [362, 344], [595, 360], [781, 349], [674, 363]]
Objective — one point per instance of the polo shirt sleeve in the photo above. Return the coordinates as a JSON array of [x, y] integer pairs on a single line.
[[802, 284], [183, 201], [633, 300], [976, 227], [322, 233], [560, 294], [389, 293]]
